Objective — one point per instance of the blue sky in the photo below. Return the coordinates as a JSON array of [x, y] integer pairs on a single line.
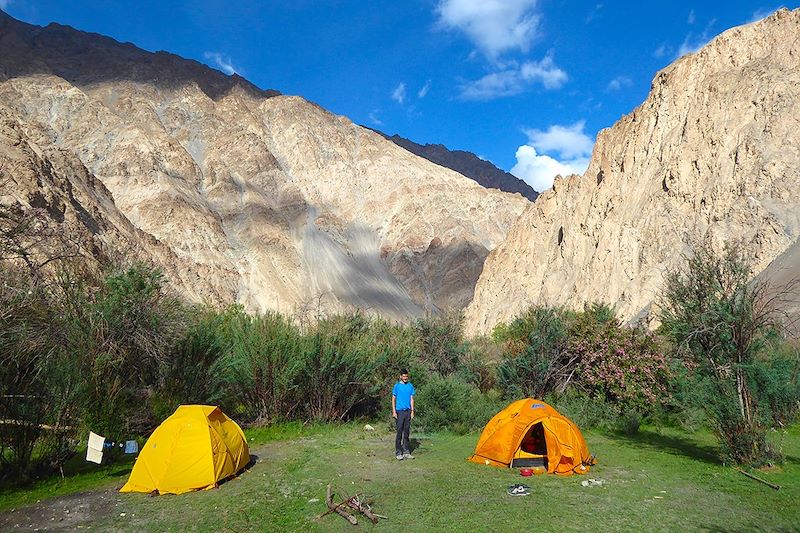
[[526, 84]]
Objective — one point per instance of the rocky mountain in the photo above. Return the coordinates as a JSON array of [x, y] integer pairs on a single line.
[[240, 194], [468, 164], [712, 154]]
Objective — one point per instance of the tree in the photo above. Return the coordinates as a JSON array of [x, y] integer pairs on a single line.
[[536, 358], [38, 390], [719, 321]]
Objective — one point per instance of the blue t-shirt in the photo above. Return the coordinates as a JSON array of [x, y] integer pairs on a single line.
[[403, 392]]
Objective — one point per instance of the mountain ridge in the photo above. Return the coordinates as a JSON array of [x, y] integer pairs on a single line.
[[466, 163], [260, 198], [712, 155]]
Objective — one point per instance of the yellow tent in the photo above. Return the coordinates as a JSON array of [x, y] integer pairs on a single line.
[[193, 449], [531, 433]]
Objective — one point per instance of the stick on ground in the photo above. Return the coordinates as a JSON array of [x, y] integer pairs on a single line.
[[338, 508], [765, 482], [356, 504]]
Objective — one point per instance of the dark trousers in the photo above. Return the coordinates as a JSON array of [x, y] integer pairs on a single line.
[[401, 442]]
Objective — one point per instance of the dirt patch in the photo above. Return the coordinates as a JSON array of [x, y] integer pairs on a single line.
[[61, 514]]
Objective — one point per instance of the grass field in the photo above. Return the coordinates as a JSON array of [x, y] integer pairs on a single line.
[[659, 480]]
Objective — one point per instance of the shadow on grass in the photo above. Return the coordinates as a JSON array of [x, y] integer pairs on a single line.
[[75, 467], [791, 459], [718, 529], [672, 444], [250, 464]]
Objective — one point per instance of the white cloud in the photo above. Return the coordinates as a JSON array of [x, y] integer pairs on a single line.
[[544, 72], [694, 42], [691, 18], [593, 13], [762, 12], [424, 90], [690, 45], [493, 26], [662, 50], [373, 117], [570, 143], [494, 85], [539, 171], [514, 81], [221, 62], [399, 94], [618, 83]]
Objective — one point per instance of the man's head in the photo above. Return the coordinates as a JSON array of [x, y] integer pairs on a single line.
[[404, 375]]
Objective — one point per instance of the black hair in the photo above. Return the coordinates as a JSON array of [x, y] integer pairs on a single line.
[[403, 371]]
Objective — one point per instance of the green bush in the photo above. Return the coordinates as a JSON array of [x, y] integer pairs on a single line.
[[536, 357], [629, 422], [441, 342], [338, 368], [254, 379], [586, 412], [187, 374], [41, 380], [775, 376], [476, 370], [121, 333], [685, 409], [450, 403]]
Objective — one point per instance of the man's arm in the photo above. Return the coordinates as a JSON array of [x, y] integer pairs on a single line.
[[394, 411], [412, 406]]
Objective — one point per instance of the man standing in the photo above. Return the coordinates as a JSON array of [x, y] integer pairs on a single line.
[[403, 411]]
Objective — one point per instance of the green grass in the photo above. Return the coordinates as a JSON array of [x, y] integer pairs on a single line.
[[658, 480], [79, 476]]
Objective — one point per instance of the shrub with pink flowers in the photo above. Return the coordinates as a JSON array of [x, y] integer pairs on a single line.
[[622, 365], [589, 351]]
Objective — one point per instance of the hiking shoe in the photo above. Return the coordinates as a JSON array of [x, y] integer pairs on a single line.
[[399, 456], [518, 490], [407, 456]]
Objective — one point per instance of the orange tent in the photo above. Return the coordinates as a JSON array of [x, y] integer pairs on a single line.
[[530, 433]]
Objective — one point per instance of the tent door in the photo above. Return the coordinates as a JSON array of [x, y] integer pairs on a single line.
[[532, 450]]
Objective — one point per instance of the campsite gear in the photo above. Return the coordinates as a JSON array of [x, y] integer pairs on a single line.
[[131, 447], [193, 449], [94, 448], [526, 472], [539, 470], [529, 433], [518, 489]]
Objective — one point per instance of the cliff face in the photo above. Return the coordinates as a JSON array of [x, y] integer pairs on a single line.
[[240, 194], [468, 164], [712, 154]]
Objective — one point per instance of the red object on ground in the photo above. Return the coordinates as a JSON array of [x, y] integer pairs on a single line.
[[526, 472]]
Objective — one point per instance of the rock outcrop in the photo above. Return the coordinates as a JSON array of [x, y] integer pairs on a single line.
[[240, 194], [712, 154], [468, 164]]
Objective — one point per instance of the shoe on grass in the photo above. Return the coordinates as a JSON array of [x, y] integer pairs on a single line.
[[407, 456], [518, 490], [399, 456]]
